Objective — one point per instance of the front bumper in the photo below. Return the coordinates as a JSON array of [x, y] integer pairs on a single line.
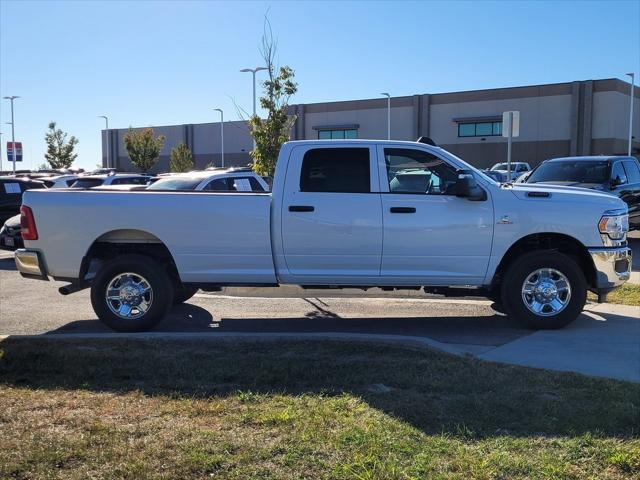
[[30, 264], [613, 266]]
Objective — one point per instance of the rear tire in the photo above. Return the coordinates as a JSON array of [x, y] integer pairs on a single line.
[[544, 289], [131, 293]]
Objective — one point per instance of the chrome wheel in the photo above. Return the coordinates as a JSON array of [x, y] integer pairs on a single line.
[[546, 292], [129, 295]]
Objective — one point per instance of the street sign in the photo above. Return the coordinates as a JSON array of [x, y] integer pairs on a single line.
[[509, 124], [18, 151], [510, 129]]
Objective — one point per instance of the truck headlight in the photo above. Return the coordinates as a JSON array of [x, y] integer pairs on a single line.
[[614, 223]]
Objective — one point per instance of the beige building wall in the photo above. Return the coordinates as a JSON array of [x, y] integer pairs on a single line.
[[372, 122]]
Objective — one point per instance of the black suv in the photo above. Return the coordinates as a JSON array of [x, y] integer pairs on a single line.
[[616, 175], [11, 190]]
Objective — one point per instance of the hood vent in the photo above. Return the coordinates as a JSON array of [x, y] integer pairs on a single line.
[[538, 194]]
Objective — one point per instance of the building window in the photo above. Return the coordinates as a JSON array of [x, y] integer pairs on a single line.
[[337, 134], [480, 129]]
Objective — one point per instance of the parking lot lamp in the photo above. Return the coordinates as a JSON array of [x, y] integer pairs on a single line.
[[632, 75], [13, 133], [221, 133], [253, 72], [106, 119], [388, 114], [0, 151]]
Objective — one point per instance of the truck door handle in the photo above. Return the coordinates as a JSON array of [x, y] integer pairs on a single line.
[[402, 210], [301, 208]]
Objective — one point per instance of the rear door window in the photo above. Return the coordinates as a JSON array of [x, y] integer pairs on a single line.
[[219, 185], [336, 170], [87, 182]]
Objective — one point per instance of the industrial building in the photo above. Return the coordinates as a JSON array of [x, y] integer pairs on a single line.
[[588, 117]]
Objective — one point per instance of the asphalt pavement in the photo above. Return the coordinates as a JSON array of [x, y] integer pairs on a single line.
[[32, 307]]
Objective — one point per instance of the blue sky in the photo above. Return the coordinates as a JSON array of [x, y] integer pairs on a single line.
[[165, 62]]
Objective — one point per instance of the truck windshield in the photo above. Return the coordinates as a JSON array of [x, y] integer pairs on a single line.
[[571, 171], [182, 183]]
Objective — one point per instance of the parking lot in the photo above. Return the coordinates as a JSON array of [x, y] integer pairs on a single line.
[[457, 326]]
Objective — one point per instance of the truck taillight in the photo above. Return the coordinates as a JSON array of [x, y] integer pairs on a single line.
[[27, 224]]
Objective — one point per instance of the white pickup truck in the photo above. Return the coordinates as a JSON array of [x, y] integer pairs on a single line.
[[353, 213]]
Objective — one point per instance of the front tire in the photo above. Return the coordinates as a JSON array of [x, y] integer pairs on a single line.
[[544, 290], [131, 293], [182, 293]]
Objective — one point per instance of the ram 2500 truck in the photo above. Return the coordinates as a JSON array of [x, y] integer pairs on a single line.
[[353, 213]]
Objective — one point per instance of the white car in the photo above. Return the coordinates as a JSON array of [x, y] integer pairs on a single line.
[[517, 169], [215, 180], [90, 181], [59, 181], [342, 214]]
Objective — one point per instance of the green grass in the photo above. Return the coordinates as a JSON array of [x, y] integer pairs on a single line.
[[290, 410], [627, 294]]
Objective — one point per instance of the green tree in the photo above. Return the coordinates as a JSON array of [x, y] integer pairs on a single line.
[[271, 133], [143, 147], [181, 159], [59, 151]]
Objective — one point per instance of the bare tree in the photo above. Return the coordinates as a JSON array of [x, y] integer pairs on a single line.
[[271, 133]]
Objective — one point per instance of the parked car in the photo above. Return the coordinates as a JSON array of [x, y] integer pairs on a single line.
[[517, 169], [89, 181], [496, 175], [219, 180], [11, 190], [59, 181], [10, 237], [338, 217], [617, 175]]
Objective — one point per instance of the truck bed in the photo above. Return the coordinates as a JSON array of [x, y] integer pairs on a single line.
[[213, 237]]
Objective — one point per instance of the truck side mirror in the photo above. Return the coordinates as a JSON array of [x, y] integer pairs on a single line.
[[467, 187], [616, 182]]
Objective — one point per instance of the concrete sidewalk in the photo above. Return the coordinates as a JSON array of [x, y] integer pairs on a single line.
[[604, 342]]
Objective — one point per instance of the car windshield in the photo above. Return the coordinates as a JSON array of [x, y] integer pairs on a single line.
[[571, 171], [180, 183], [515, 167], [500, 166], [87, 182]]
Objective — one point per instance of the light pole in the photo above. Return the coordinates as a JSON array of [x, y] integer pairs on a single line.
[[631, 115], [253, 72], [106, 119], [221, 133], [0, 153], [388, 114], [13, 133]]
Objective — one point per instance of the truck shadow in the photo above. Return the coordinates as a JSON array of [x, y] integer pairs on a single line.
[[7, 264], [491, 330]]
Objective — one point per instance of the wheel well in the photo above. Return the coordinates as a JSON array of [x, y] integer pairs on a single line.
[[124, 242], [548, 241]]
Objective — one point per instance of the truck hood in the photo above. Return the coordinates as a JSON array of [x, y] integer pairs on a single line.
[[594, 186], [567, 194]]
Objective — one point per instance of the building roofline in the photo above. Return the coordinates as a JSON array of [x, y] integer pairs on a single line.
[[498, 93]]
